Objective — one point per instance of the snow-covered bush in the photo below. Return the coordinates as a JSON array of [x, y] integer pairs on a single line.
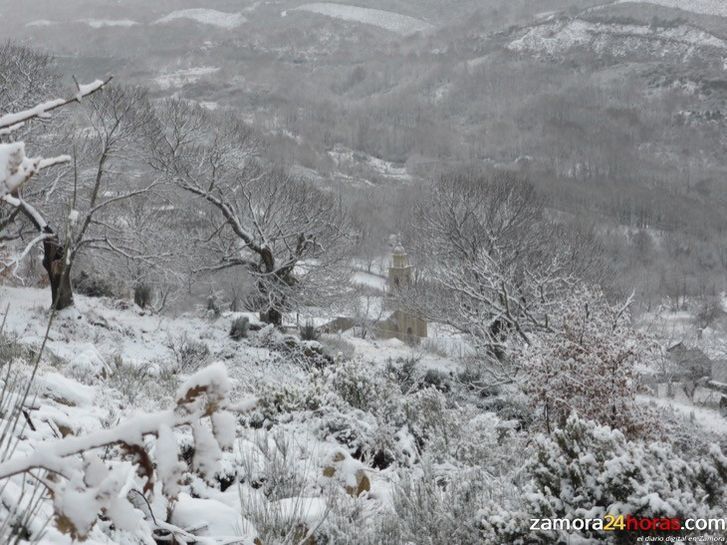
[[21, 515], [429, 509], [278, 400], [239, 327], [143, 294], [587, 470], [587, 365], [189, 354], [403, 370], [93, 285], [310, 355], [429, 420], [309, 332], [84, 486], [141, 384], [128, 378], [269, 464]]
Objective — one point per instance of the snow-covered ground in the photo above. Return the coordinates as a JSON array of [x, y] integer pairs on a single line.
[[708, 418], [184, 76], [388, 20], [210, 17], [706, 7], [370, 280], [106, 360], [348, 158]]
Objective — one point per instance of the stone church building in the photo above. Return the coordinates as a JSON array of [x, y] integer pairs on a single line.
[[402, 324]]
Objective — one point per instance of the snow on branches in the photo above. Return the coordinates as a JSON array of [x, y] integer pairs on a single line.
[[15, 167], [587, 365], [82, 487]]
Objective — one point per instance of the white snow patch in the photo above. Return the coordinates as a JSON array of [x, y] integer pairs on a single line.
[[183, 77], [308, 510], [212, 17], [41, 23], [219, 519], [101, 23], [65, 390], [388, 20], [375, 281], [344, 156]]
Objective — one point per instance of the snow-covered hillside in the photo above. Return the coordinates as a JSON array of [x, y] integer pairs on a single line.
[[394, 22], [210, 17], [707, 7], [106, 362], [618, 40]]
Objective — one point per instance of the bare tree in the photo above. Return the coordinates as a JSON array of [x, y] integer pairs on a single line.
[[282, 230], [16, 169], [104, 173], [492, 266]]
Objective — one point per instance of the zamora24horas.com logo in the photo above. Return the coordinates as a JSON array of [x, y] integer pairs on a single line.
[[629, 523]]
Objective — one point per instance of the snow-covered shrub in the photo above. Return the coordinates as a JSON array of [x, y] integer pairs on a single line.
[[337, 347], [352, 429], [403, 370], [141, 384], [436, 379], [93, 285], [486, 440], [289, 521], [429, 420], [268, 337], [278, 400], [128, 378], [587, 470], [143, 294], [21, 514], [85, 487], [213, 307], [587, 365], [430, 510], [240, 327], [362, 386], [309, 332], [356, 387], [11, 349], [308, 354], [189, 354], [269, 464]]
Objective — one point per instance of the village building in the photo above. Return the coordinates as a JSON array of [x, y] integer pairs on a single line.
[[402, 324]]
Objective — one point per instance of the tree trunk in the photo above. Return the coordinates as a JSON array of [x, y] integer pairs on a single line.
[[273, 314], [59, 275]]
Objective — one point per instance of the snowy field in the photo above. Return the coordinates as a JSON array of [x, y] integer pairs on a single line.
[[210, 17], [706, 7], [394, 22]]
